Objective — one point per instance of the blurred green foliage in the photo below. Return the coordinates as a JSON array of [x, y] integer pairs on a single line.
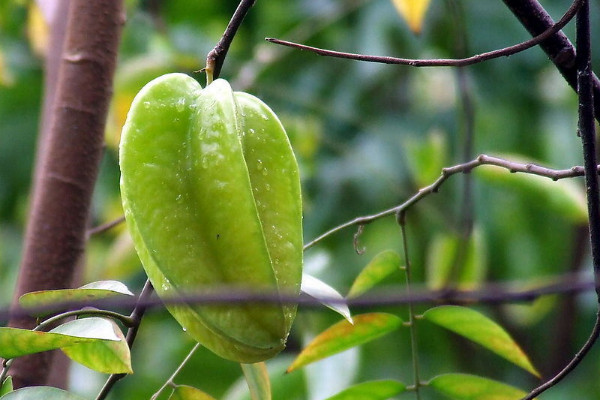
[[367, 136]]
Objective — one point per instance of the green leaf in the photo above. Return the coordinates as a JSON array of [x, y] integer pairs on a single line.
[[322, 292], [344, 335], [425, 157], [16, 342], [106, 356], [482, 330], [373, 390], [7, 386], [90, 292], [442, 261], [471, 387], [40, 392], [257, 379], [382, 265], [564, 197], [184, 392]]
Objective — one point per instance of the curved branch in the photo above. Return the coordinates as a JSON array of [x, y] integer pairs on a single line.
[[465, 168], [440, 62], [559, 48]]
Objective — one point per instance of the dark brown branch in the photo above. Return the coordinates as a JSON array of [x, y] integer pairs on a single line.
[[588, 137], [136, 319], [216, 57], [438, 62], [62, 193], [558, 47]]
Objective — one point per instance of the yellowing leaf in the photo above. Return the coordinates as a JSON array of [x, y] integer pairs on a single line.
[[37, 30], [471, 387], [258, 381], [184, 392], [482, 330], [413, 12], [344, 335], [382, 265], [373, 390]]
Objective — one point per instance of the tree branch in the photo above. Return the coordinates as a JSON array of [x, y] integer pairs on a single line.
[[446, 173], [558, 47], [62, 193], [440, 62], [588, 137], [216, 57]]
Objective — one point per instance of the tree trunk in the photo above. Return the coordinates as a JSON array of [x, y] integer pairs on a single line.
[[67, 165]]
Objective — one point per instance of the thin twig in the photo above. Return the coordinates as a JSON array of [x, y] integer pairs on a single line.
[[587, 346], [559, 48], [467, 167], [170, 381], [105, 227], [216, 57], [125, 320], [505, 52], [401, 218]]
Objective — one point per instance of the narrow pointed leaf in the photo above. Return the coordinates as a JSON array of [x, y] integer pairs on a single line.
[[90, 292], [413, 12], [40, 392], [380, 267], [373, 390], [442, 268], [184, 392], [471, 387], [323, 292], [258, 381], [106, 356], [344, 335], [482, 330]]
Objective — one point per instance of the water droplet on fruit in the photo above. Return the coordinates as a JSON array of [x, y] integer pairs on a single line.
[[180, 105]]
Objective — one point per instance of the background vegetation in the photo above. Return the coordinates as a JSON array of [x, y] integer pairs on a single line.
[[367, 137]]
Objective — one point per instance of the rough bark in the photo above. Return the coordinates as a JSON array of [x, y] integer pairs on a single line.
[[62, 191]]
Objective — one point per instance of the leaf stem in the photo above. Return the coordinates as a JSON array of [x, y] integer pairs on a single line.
[[401, 218], [125, 320], [170, 381], [216, 57]]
